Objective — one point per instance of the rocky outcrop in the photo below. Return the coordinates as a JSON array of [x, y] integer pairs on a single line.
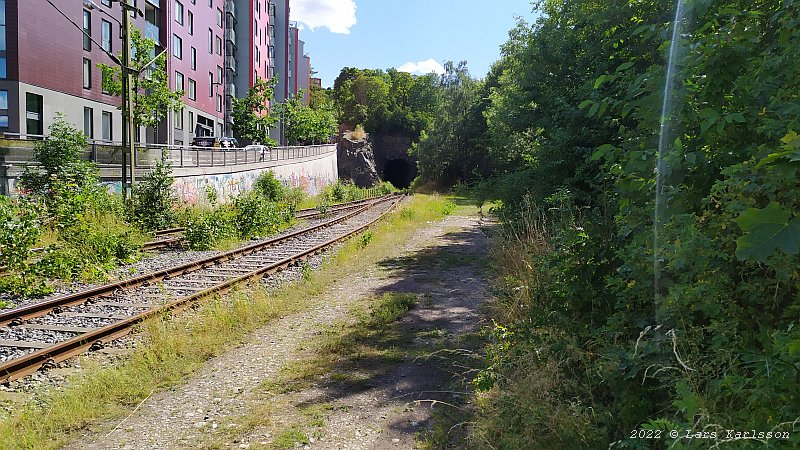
[[357, 162]]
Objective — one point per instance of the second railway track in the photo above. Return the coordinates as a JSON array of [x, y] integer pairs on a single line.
[[173, 237], [56, 329]]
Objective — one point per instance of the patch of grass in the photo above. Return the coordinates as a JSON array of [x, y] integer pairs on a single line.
[[172, 348], [290, 438]]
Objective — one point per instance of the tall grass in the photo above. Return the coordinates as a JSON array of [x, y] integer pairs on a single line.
[[172, 348]]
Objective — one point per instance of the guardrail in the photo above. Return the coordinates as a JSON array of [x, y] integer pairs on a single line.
[[109, 153]]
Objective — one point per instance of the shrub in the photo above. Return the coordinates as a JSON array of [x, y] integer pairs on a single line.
[[20, 229], [152, 205], [255, 217], [358, 134], [206, 229], [269, 187], [91, 247]]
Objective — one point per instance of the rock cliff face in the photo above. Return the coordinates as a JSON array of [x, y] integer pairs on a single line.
[[357, 162]]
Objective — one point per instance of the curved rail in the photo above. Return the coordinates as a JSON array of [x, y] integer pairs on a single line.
[[29, 363], [172, 237]]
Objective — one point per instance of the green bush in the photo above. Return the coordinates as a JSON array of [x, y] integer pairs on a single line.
[[256, 217], [153, 202], [91, 247], [20, 230], [205, 229], [269, 187]]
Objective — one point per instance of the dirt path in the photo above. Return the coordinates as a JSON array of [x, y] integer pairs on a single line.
[[369, 402]]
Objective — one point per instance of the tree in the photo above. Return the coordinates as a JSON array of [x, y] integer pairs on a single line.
[[60, 163], [306, 125], [251, 116], [318, 97], [152, 98]]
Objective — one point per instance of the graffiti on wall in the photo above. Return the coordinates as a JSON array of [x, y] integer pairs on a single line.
[[195, 189]]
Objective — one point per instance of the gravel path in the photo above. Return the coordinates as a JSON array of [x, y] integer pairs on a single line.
[[443, 263]]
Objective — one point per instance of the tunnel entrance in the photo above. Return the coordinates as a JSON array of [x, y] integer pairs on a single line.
[[399, 172]]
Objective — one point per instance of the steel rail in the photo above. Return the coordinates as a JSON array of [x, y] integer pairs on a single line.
[[42, 308], [300, 214], [27, 364]]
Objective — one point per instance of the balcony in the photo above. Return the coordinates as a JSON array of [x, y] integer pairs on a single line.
[[230, 8], [230, 90], [230, 36], [152, 32], [230, 63]]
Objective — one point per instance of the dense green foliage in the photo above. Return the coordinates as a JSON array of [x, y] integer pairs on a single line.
[[153, 205], [80, 220], [20, 231], [306, 125], [388, 102], [345, 191], [267, 209], [152, 97], [453, 147], [605, 326], [251, 116]]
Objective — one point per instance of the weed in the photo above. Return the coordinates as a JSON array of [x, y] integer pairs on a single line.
[[173, 347], [153, 203], [364, 239], [290, 438]]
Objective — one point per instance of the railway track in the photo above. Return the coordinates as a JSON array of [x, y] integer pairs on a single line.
[[48, 332], [173, 237]]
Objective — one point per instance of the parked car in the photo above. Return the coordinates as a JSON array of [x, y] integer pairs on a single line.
[[216, 142], [261, 150]]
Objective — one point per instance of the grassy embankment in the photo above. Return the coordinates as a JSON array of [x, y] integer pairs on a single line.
[[172, 348]]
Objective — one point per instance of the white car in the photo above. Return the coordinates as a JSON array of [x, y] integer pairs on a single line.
[[261, 150]]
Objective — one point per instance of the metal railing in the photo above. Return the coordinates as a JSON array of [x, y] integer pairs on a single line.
[[186, 156], [109, 153]]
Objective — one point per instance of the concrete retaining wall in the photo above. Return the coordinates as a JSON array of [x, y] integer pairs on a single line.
[[229, 173], [311, 174]]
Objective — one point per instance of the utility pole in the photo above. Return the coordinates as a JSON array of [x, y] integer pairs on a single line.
[[126, 61], [127, 97], [127, 106]]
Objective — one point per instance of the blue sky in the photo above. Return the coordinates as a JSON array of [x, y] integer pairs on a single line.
[[408, 34]]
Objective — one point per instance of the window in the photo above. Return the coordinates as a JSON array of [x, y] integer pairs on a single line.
[[219, 74], [178, 122], [179, 12], [210, 84], [219, 17], [218, 41], [191, 22], [210, 41], [177, 46], [103, 83], [191, 121], [88, 122], [192, 89], [106, 3], [87, 73], [3, 121], [105, 31], [193, 54], [2, 25], [33, 114], [108, 126], [219, 103], [87, 30], [210, 3], [3, 99], [2, 67], [178, 81]]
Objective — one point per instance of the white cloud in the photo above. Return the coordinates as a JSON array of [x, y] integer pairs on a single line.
[[422, 67], [336, 15]]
